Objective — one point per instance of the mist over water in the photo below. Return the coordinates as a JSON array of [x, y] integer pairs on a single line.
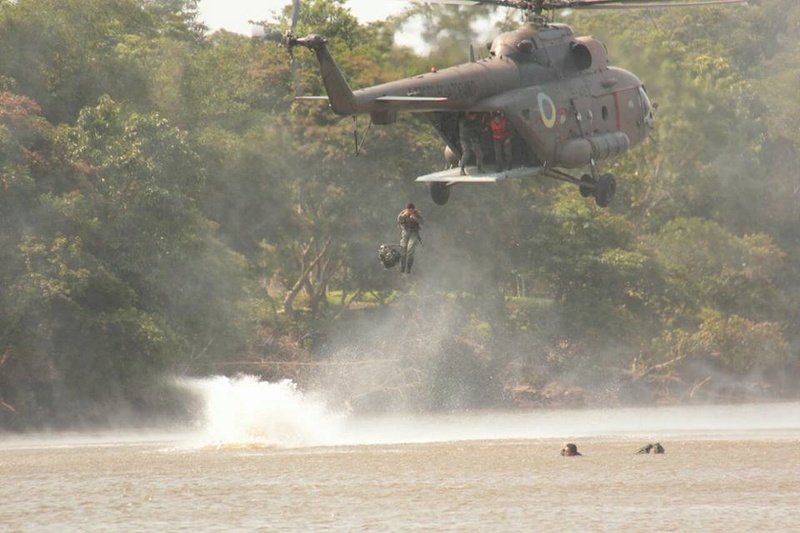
[[245, 411]]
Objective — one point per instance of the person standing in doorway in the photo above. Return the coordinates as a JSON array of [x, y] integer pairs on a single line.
[[501, 137], [470, 128]]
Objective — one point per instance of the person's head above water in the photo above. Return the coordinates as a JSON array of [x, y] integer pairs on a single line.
[[570, 450]]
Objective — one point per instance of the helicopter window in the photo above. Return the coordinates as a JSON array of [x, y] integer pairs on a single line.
[[605, 113]]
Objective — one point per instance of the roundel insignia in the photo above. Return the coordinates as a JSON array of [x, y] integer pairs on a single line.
[[548, 110]]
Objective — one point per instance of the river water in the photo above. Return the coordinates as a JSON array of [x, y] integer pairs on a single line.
[[265, 457]]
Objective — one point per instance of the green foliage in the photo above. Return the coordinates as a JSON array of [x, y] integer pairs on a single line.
[[65, 54], [111, 281], [165, 207], [720, 270], [448, 30], [739, 345]]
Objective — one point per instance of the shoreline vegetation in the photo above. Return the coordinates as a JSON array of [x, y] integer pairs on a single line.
[[167, 209]]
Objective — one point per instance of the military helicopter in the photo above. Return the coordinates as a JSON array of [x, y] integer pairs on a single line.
[[566, 106]]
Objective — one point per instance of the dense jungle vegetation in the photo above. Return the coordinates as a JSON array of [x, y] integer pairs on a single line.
[[167, 210]]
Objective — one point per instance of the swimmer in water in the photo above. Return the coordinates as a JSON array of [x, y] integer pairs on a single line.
[[652, 448], [570, 450]]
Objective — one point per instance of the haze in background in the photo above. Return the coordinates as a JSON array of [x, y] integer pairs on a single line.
[[233, 15]]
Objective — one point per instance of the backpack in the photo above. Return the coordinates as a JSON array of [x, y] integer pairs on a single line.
[[389, 255]]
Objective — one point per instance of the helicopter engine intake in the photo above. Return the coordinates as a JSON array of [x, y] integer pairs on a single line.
[[588, 52]]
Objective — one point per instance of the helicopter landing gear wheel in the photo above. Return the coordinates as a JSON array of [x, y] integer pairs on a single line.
[[604, 190], [440, 192], [586, 192]]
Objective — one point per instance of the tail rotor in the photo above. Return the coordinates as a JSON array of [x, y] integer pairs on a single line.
[[287, 40], [289, 43]]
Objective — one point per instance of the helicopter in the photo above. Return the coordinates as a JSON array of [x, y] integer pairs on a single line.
[[566, 106]]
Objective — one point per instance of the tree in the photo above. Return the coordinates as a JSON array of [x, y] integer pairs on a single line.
[[162, 198], [66, 53], [719, 270], [117, 278], [726, 358]]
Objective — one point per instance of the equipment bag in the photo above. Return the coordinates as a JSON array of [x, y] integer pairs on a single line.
[[389, 255]]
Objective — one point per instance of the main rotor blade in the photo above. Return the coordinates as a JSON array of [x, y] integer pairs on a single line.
[[295, 15], [289, 41], [644, 4], [451, 2], [540, 5]]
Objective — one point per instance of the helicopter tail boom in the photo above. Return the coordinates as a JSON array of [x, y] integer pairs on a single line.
[[454, 88], [340, 95]]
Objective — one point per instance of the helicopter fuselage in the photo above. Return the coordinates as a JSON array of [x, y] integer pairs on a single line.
[[558, 91]]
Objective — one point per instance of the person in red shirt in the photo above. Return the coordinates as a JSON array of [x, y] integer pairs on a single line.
[[501, 135]]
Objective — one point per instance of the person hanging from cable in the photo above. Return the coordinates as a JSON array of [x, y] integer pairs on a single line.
[[410, 222]]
